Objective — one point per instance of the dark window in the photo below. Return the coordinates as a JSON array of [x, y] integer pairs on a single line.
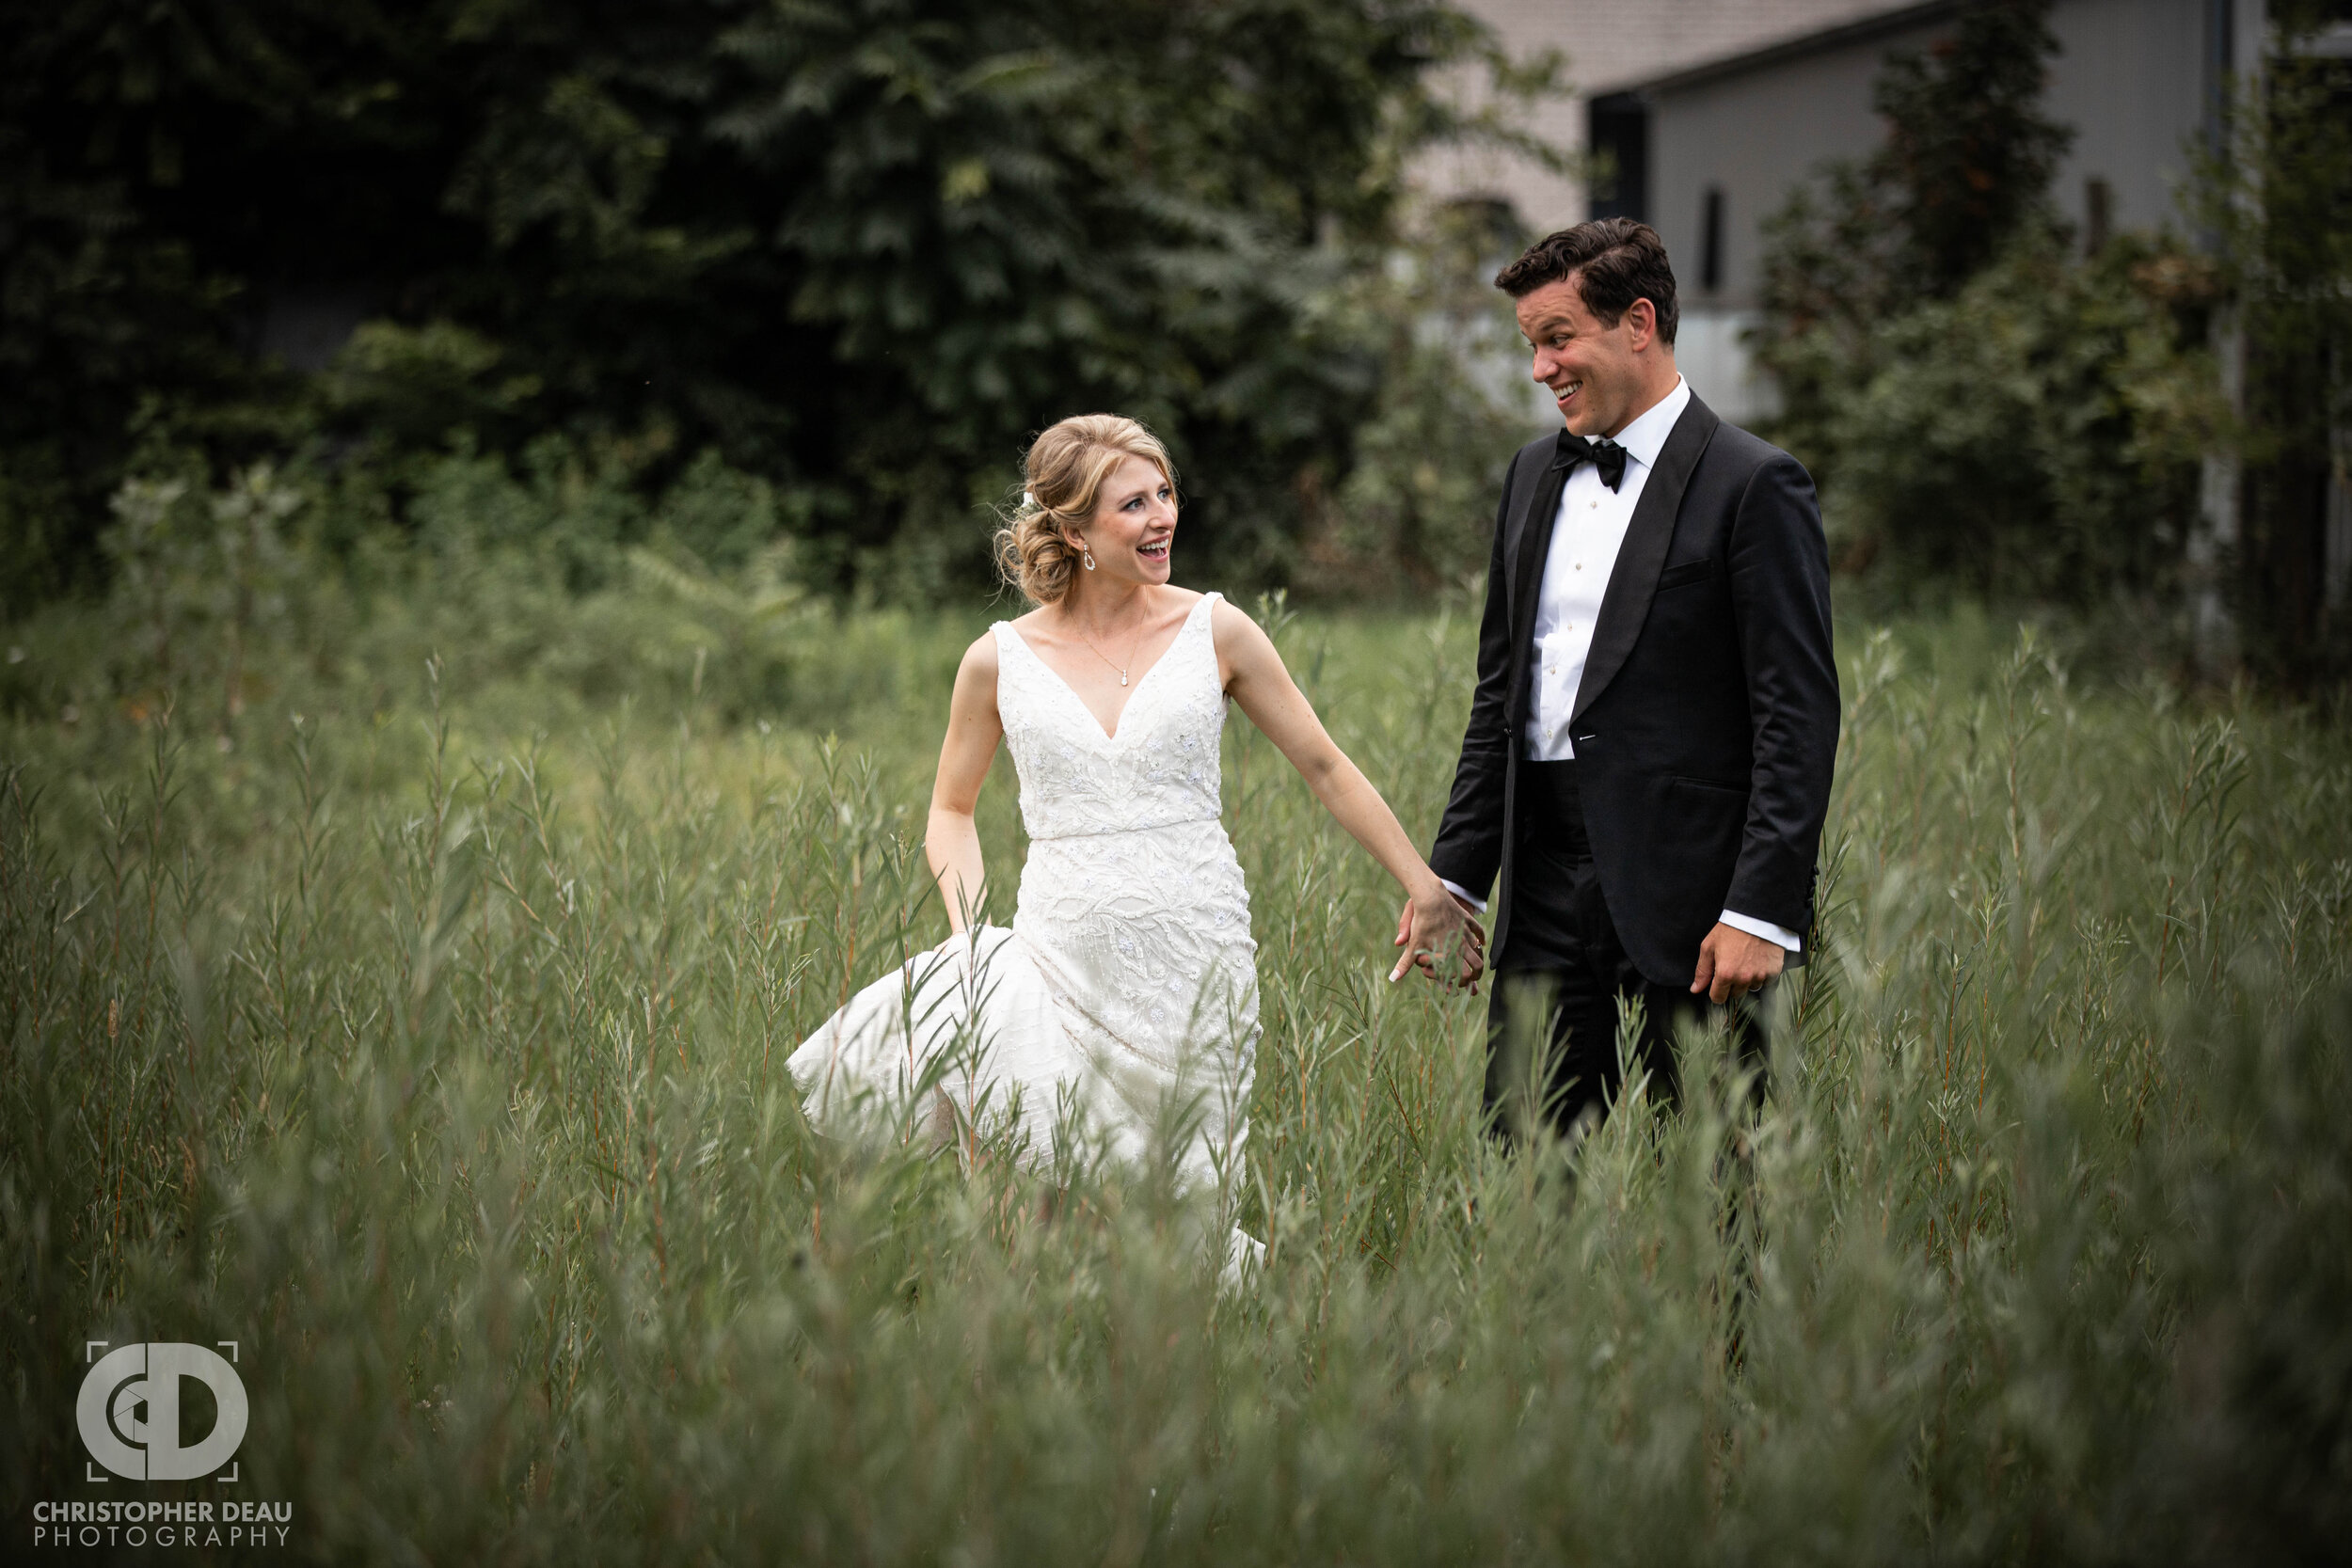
[[1616, 136], [2098, 214], [1711, 240]]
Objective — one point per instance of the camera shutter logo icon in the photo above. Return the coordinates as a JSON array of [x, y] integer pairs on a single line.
[[129, 1411]]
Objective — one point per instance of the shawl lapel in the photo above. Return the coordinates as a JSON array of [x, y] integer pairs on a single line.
[[1633, 581]]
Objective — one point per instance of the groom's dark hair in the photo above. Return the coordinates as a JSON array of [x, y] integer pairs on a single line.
[[1614, 263]]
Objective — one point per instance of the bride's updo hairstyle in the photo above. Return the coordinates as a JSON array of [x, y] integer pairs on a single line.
[[1062, 477]]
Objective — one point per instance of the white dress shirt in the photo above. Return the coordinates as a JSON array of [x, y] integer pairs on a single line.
[[1586, 533]]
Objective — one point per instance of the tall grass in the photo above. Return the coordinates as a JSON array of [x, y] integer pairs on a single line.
[[414, 1014]]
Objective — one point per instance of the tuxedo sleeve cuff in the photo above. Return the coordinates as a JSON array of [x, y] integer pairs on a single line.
[[1764, 929], [1477, 905]]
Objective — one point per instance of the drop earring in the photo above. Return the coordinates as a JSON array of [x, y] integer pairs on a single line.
[[1087, 555]]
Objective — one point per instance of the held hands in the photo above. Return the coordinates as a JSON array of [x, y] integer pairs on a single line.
[[1436, 928], [1733, 962]]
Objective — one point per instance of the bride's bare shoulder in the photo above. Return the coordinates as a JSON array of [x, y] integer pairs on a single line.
[[979, 665], [1231, 625], [1243, 648]]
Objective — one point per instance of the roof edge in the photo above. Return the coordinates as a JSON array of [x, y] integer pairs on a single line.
[[1860, 30]]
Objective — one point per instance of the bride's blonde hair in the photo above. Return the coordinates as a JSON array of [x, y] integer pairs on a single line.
[[1062, 475]]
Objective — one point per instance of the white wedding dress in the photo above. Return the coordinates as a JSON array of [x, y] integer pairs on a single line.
[[1126, 991]]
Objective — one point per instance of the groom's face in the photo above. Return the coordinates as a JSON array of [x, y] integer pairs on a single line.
[[1591, 369]]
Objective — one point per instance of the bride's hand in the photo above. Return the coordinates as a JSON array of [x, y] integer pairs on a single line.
[[1434, 926]]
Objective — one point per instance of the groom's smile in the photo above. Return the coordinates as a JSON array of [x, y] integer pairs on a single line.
[[1591, 369]]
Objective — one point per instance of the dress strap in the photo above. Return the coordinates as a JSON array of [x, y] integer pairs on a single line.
[[1201, 612], [1013, 660]]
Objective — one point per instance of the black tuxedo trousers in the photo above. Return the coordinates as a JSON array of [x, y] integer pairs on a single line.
[[1557, 1017]]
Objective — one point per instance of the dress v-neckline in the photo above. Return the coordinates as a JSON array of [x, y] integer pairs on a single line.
[[1110, 737]]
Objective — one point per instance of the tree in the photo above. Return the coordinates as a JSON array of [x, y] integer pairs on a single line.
[[1968, 154], [1964, 169], [1981, 406], [143, 152], [861, 247], [2279, 206]]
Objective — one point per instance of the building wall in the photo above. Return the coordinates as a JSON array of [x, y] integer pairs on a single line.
[[1752, 137], [2131, 78], [1606, 41]]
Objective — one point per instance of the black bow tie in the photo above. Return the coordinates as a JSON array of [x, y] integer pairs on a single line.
[[1606, 457]]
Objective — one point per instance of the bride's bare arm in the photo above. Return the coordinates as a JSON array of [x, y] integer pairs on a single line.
[[951, 841], [1255, 677]]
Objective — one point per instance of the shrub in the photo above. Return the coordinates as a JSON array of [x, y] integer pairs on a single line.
[[1983, 410], [2038, 434], [1450, 406]]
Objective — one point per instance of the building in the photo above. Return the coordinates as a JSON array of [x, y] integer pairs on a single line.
[[1702, 116], [1612, 41]]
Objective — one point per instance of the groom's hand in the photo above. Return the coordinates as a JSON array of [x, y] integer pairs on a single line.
[[1733, 962]]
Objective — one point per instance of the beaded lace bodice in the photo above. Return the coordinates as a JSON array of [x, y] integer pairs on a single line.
[[1160, 767], [1132, 896]]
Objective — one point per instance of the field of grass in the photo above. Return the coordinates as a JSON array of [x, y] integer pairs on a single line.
[[403, 995]]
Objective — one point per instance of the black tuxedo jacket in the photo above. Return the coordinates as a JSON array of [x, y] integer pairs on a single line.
[[1705, 723]]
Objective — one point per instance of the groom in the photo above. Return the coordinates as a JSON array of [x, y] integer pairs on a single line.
[[1647, 762]]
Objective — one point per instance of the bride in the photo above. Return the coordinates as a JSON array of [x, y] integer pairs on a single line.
[[1126, 989]]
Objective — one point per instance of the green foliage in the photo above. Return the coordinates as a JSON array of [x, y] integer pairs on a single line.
[[1983, 412], [1968, 153], [558, 581], [2279, 202], [153, 165], [1961, 178], [859, 249], [406, 388], [200, 590], [420, 1026], [1416, 510], [2036, 436], [1981, 408], [1964, 169]]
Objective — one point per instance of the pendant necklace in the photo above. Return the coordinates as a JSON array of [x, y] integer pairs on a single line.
[[1103, 657]]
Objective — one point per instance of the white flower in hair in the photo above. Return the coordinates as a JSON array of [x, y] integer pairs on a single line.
[[1027, 499]]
